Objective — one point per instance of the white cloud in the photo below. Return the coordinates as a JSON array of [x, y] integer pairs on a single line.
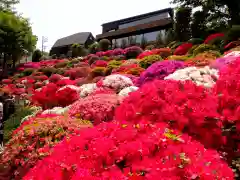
[[58, 18]]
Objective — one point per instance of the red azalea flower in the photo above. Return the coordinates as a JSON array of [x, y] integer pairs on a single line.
[[183, 49], [212, 37]]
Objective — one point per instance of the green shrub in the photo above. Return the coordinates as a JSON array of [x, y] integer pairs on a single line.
[[195, 41], [118, 57], [175, 45], [48, 71], [98, 71], [14, 121], [105, 58], [60, 71], [61, 64], [149, 60], [36, 56], [78, 50], [104, 44], [203, 47], [178, 58], [75, 61], [93, 48], [28, 71], [150, 47], [233, 34], [92, 59], [218, 42], [190, 51], [171, 44], [112, 65]]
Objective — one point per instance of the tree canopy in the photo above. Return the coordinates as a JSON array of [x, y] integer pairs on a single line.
[[7, 4], [16, 35], [216, 8]]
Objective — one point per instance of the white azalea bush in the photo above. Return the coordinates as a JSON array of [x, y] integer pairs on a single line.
[[233, 53], [76, 88], [116, 82], [56, 110], [124, 92], [87, 89], [204, 76]]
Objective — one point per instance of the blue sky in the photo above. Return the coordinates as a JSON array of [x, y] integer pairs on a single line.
[[58, 18]]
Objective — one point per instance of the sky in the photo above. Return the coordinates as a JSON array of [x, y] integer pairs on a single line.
[[55, 19]]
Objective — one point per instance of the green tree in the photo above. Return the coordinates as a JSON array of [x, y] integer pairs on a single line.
[[7, 4], [36, 56], [198, 25], [182, 24], [16, 36], [223, 8]]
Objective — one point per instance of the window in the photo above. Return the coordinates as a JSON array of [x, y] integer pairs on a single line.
[[139, 39], [124, 42], [132, 40], [113, 43], [118, 42], [145, 20], [151, 36], [163, 33]]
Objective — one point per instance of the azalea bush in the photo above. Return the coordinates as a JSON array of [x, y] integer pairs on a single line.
[[87, 89], [204, 76], [178, 58], [128, 151], [203, 59], [149, 60], [132, 52], [163, 52], [183, 49], [50, 96], [116, 82], [202, 48], [79, 72], [48, 71], [34, 140], [98, 71], [95, 108], [181, 105], [159, 70], [226, 89], [222, 62]]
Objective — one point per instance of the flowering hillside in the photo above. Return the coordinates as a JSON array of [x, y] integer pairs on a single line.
[[168, 113]]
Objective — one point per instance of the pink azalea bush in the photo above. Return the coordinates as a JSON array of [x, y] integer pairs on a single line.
[[96, 108]]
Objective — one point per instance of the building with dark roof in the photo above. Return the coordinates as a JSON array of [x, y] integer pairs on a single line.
[[63, 45], [145, 26]]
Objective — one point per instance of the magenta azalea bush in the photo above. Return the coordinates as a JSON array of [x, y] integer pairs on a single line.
[[159, 70]]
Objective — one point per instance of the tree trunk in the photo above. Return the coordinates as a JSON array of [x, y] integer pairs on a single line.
[[4, 65]]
